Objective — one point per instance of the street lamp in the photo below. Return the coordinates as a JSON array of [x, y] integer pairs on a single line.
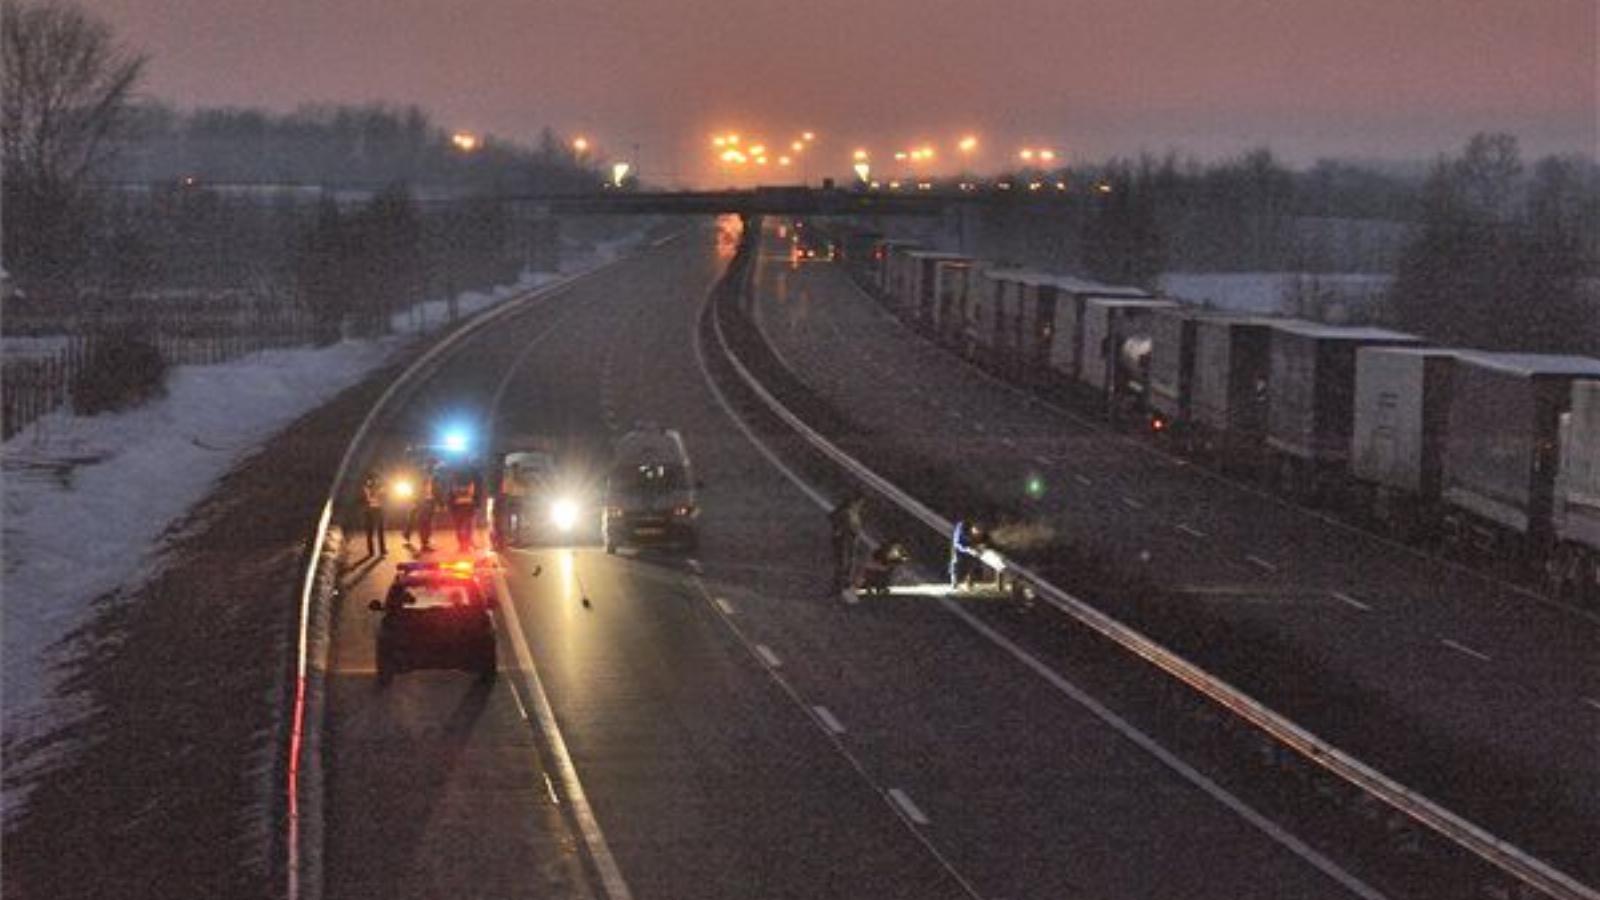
[[580, 145], [968, 144], [466, 141]]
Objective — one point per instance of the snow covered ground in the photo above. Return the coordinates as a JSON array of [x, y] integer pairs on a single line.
[[1270, 292], [87, 500]]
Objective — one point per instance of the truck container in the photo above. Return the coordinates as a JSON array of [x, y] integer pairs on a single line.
[[1228, 394], [1402, 407], [1503, 445], [1116, 348], [927, 268], [1067, 348], [1311, 405], [889, 256], [1172, 333], [1401, 410], [1574, 570]]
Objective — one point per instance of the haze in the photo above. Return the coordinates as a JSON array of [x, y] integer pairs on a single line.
[[1354, 78]]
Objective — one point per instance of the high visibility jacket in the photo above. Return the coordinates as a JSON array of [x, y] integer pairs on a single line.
[[372, 490], [463, 493]]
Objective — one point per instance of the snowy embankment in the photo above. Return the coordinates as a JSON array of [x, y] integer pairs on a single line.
[[1275, 292], [89, 500]]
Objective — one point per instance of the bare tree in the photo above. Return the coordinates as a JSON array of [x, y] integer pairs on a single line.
[[65, 84]]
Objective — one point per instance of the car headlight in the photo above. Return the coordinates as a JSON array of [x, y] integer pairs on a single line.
[[564, 514]]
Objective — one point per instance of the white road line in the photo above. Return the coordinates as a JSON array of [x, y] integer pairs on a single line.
[[828, 720], [768, 657], [1131, 503], [976, 425], [903, 800], [611, 879], [1083, 480], [725, 606], [1348, 600], [1042, 460], [1463, 648], [849, 596], [1258, 561], [1190, 530], [1592, 702], [1009, 442]]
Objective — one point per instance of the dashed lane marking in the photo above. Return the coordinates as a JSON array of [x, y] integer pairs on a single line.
[[828, 720], [1188, 529], [1258, 561], [1131, 503], [910, 809], [1009, 442], [1592, 702], [1348, 600], [849, 596], [768, 657], [1042, 460], [1083, 480], [1463, 648], [725, 606]]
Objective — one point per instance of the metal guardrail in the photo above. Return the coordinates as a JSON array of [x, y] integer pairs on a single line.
[[1501, 854]]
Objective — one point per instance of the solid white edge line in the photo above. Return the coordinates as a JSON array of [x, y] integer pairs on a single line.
[[1465, 833], [912, 811], [1463, 648], [768, 657], [303, 855], [1149, 745], [724, 606], [616, 887], [828, 719], [1348, 600]]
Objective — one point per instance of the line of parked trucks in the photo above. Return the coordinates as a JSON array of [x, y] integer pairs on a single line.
[[1492, 455]]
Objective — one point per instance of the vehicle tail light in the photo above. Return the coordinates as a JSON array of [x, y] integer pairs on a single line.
[[683, 510]]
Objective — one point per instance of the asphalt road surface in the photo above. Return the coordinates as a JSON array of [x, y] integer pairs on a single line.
[[737, 730], [1504, 688]]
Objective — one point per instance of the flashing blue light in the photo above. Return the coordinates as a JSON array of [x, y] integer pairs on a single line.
[[455, 440]]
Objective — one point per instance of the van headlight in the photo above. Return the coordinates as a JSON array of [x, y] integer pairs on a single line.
[[564, 514]]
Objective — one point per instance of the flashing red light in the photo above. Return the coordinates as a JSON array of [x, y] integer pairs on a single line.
[[1158, 424]]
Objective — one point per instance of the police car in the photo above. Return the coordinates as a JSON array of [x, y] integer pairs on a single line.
[[437, 615]]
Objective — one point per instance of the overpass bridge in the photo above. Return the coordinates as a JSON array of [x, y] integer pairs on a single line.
[[777, 201]]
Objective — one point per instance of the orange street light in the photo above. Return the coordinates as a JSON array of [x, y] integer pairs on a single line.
[[1047, 155], [808, 136], [580, 144], [465, 141], [859, 155], [1026, 154], [968, 144], [783, 160], [797, 146]]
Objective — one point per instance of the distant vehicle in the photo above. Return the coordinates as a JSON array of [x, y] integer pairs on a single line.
[[650, 492], [436, 616]]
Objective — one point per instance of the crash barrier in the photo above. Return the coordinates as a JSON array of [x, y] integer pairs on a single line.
[[303, 770], [1507, 858]]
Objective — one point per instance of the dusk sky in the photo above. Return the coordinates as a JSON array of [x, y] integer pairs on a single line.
[[1350, 78]]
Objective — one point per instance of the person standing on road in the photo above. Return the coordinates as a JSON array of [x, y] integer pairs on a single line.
[[967, 544], [845, 522], [508, 506], [466, 493], [372, 496], [427, 496]]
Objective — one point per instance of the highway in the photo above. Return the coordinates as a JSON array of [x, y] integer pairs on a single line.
[[1482, 696], [723, 726]]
